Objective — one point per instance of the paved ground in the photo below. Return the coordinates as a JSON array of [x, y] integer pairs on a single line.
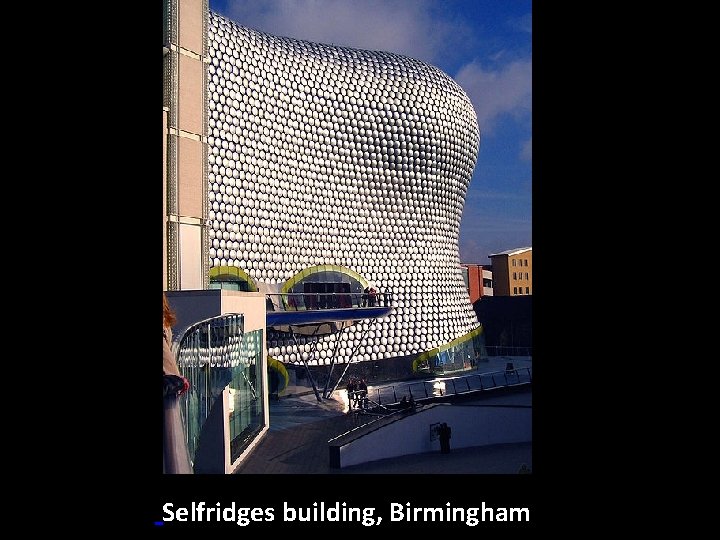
[[495, 459], [300, 428]]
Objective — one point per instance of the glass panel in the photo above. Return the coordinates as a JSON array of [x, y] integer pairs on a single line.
[[246, 403], [463, 356], [232, 285], [325, 288], [309, 298], [344, 300], [215, 354]]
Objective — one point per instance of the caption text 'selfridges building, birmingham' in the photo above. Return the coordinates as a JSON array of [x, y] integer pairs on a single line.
[[328, 163]]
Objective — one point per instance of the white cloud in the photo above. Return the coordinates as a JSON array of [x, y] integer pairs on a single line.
[[476, 249], [474, 252], [397, 26], [493, 93], [421, 29], [526, 152], [524, 23]]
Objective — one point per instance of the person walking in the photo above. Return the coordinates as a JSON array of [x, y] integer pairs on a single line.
[[351, 393], [363, 391]]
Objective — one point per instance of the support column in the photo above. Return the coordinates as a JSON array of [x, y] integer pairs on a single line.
[[185, 154]]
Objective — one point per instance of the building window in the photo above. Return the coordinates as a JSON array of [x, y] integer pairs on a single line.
[[525, 262], [526, 275], [514, 275], [514, 290], [513, 262], [519, 290], [527, 290], [323, 287]]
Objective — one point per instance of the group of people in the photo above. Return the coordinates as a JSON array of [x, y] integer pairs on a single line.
[[357, 391], [370, 297]]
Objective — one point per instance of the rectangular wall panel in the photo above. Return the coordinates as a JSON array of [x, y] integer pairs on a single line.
[[190, 257], [190, 174], [191, 95]]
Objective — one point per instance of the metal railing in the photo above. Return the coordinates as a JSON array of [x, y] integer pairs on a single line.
[[507, 350], [421, 390], [297, 301], [206, 354]]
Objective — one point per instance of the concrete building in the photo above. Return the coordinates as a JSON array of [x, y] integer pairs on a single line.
[[285, 157], [478, 280], [512, 272], [296, 175], [185, 193]]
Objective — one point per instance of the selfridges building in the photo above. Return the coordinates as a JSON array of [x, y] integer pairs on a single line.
[[335, 164]]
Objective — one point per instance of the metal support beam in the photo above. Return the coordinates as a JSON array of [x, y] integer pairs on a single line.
[[362, 339], [332, 363], [302, 357]]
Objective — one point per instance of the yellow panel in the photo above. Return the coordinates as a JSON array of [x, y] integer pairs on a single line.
[[218, 273], [454, 343]]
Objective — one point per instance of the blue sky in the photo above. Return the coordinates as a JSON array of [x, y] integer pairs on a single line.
[[485, 45]]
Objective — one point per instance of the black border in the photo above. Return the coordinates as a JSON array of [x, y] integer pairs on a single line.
[[115, 126]]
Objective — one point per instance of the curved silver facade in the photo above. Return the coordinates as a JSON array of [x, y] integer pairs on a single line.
[[331, 155]]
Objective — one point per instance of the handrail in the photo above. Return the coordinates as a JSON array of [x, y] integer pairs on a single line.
[[294, 301], [508, 350], [206, 354], [214, 340], [198, 324], [441, 387]]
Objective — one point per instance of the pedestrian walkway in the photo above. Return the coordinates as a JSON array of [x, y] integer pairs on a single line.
[[390, 392], [495, 459], [300, 428]]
